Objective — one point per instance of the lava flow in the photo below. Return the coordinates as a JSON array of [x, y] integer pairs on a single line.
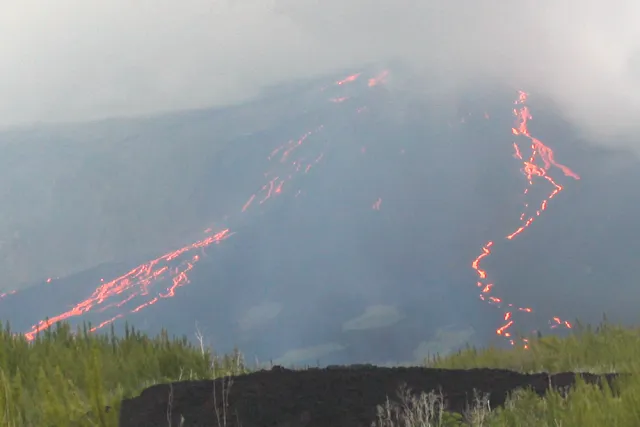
[[6, 294], [532, 170], [119, 294]]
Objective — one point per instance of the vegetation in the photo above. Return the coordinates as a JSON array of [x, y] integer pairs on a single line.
[[62, 377], [607, 348], [65, 377]]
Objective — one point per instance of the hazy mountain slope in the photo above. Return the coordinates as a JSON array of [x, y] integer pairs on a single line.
[[74, 196], [365, 253]]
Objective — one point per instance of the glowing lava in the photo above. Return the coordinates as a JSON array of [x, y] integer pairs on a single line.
[[379, 79], [6, 294], [349, 79], [540, 153], [136, 282], [124, 294]]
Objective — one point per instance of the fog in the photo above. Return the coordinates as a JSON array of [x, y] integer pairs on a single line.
[[73, 60]]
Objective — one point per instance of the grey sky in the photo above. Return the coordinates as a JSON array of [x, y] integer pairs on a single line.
[[78, 59]]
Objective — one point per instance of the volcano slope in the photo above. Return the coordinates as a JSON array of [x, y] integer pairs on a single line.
[[78, 195], [363, 211]]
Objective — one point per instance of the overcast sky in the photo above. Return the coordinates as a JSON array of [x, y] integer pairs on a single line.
[[83, 59]]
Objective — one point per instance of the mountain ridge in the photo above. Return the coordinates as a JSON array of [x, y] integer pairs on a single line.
[[361, 208]]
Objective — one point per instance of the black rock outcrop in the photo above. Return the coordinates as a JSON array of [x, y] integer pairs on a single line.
[[334, 397]]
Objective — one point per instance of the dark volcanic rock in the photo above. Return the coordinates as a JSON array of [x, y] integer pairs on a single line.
[[320, 397]]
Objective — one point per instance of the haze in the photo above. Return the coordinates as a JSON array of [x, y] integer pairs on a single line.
[[73, 60]]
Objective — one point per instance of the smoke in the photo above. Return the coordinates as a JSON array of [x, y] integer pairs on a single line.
[[584, 55], [73, 60]]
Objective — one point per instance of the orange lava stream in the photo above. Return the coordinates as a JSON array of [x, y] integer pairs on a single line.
[[379, 79], [540, 153], [139, 282], [349, 79]]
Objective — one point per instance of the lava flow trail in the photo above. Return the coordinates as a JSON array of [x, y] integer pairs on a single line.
[[535, 168], [6, 294], [124, 294]]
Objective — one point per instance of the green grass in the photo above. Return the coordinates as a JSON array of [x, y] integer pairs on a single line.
[[604, 349], [60, 377], [63, 376]]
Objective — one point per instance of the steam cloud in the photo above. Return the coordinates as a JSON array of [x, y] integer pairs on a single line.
[[75, 60]]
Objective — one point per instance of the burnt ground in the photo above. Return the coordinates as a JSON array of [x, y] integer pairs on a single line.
[[334, 396]]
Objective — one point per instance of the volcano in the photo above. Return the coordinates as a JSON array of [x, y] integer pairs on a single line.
[[339, 221]]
